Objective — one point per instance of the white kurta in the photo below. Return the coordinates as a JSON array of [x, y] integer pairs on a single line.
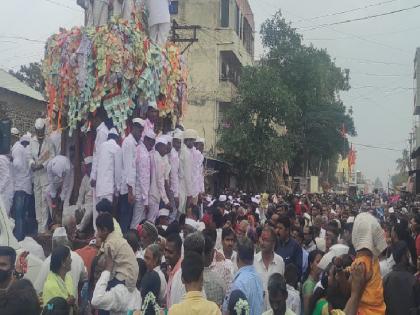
[[118, 300], [185, 177], [197, 172], [21, 169], [158, 171], [55, 140], [142, 184], [6, 182], [174, 175], [129, 147], [101, 136], [59, 176], [107, 171], [30, 245], [158, 11], [41, 155]]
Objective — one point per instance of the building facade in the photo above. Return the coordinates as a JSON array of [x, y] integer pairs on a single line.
[[415, 154], [225, 44]]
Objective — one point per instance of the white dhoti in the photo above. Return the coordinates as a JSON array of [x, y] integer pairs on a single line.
[[41, 204], [159, 33]]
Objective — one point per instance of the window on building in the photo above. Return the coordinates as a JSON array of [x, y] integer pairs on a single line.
[[224, 13], [173, 7]]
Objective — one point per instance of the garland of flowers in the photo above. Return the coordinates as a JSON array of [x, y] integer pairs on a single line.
[[242, 306], [150, 298]]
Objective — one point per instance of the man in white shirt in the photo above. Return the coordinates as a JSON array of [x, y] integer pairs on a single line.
[[127, 197], [152, 117], [267, 262], [159, 20], [174, 174], [277, 294], [60, 186], [186, 189], [85, 198], [141, 207], [42, 151], [21, 156], [198, 173], [106, 173], [157, 191]]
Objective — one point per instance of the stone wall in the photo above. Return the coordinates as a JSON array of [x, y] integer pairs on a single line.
[[20, 109]]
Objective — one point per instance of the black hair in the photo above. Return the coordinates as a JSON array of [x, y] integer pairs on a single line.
[[398, 251], [105, 221], [7, 251], [176, 240], [104, 206], [233, 299], [348, 227], [56, 306], [133, 240], [211, 233], [285, 221], [291, 275], [228, 232], [217, 218], [20, 298], [208, 244], [276, 283], [58, 255], [150, 283], [245, 249], [173, 228], [142, 272], [311, 258], [192, 267]]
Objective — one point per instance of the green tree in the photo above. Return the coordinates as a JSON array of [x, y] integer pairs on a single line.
[[404, 162], [31, 75], [296, 86]]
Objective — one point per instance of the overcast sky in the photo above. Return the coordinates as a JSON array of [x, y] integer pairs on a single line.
[[379, 53]]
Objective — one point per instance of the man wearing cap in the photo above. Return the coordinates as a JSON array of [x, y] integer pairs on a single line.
[[186, 189], [23, 184], [127, 197], [106, 173], [60, 184], [85, 197], [157, 175], [143, 156], [42, 152], [174, 174], [103, 125]]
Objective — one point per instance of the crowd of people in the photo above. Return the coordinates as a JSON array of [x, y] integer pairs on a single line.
[[143, 237]]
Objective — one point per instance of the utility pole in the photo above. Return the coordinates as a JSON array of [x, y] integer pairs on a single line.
[[177, 38]]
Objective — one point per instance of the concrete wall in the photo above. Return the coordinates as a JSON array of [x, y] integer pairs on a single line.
[[203, 59], [21, 110]]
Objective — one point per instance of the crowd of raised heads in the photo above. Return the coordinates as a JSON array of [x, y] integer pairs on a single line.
[[136, 232]]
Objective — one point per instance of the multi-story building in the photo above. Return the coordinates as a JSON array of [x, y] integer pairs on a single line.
[[415, 155], [225, 44]]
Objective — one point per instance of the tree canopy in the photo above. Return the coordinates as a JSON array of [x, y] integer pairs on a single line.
[[294, 87], [31, 75]]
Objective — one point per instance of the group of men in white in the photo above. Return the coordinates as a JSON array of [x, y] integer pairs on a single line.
[[139, 173]]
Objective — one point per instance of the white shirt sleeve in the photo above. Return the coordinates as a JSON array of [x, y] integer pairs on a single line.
[[143, 162], [101, 298]]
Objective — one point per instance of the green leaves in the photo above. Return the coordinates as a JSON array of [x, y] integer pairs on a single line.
[[294, 88]]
